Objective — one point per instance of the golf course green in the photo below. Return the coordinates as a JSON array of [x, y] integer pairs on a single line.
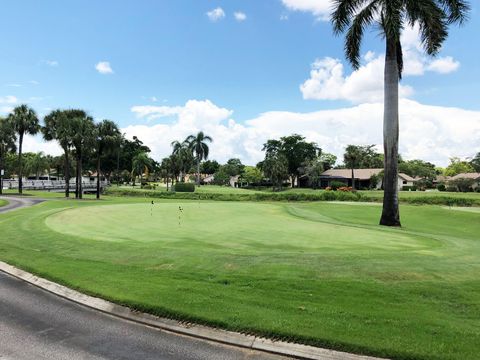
[[320, 273]]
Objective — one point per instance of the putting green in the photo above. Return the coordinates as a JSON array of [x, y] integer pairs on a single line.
[[237, 225]]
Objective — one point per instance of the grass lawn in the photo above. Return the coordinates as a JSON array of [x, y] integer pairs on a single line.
[[3, 202], [321, 273]]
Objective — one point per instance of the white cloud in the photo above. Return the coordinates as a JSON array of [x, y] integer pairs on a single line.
[[444, 65], [328, 82], [216, 14], [240, 16], [103, 67], [426, 132], [153, 99], [34, 82], [37, 144], [13, 85], [283, 17], [321, 9], [52, 63], [9, 99]]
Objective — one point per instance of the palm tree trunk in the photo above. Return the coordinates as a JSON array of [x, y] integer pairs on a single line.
[[390, 212], [98, 177], [20, 170], [67, 174], [1, 169], [353, 179], [198, 170], [80, 185]]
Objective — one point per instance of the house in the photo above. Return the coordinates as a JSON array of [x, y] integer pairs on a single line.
[[474, 176], [362, 178]]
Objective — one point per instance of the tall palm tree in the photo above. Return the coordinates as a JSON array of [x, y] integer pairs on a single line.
[[58, 126], [83, 138], [108, 138], [7, 143], [24, 121], [390, 17], [198, 146]]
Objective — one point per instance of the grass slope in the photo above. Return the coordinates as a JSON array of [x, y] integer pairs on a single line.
[[320, 273]]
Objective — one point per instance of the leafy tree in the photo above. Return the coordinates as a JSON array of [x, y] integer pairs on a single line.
[[328, 161], [24, 121], [83, 139], [252, 175], [234, 167], [108, 137], [458, 166], [390, 18], [476, 162], [141, 163], [198, 145], [275, 167], [295, 149], [313, 169], [58, 126], [418, 168], [209, 167], [221, 176], [7, 144]]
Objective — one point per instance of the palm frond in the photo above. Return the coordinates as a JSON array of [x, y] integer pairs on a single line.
[[456, 10]]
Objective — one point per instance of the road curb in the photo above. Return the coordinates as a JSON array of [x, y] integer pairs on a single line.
[[198, 331]]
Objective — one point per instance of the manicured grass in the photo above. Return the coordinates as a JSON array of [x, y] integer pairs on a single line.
[[320, 273], [3, 202]]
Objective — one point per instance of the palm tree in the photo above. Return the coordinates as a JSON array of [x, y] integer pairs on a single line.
[[24, 121], [58, 126], [351, 158], [36, 164], [183, 157], [390, 17], [140, 163], [198, 146], [7, 143], [108, 138], [83, 131]]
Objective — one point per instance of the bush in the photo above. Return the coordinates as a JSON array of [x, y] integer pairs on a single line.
[[451, 189], [334, 185], [441, 187], [345, 188], [409, 188], [184, 187]]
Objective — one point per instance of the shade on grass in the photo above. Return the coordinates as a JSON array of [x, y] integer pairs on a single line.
[[320, 273]]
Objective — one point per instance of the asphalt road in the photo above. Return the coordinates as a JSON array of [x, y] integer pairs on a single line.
[[36, 325]]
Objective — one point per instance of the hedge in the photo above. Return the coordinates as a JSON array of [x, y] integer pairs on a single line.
[[184, 187]]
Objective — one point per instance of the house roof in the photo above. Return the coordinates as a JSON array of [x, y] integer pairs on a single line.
[[475, 176], [360, 174], [406, 177]]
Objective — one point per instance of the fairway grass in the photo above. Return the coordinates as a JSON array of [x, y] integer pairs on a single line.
[[319, 273], [3, 202]]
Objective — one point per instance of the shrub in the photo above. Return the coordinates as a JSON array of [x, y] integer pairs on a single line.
[[441, 187], [334, 185], [184, 187], [345, 188], [451, 189], [409, 188]]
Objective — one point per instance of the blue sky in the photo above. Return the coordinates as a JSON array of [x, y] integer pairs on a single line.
[[165, 53]]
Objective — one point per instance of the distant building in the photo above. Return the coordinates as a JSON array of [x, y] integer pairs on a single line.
[[474, 176], [362, 178]]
